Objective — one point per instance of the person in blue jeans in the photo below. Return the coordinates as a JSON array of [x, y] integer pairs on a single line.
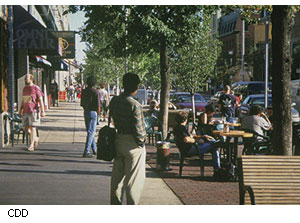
[[195, 144], [90, 101]]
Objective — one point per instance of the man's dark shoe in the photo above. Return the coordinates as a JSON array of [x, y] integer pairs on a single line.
[[94, 152], [87, 155]]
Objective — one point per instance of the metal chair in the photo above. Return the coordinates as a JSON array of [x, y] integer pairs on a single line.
[[150, 124], [16, 123], [183, 155], [257, 145]]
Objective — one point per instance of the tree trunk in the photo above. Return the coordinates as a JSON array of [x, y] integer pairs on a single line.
[[282, 21], [165, 86]]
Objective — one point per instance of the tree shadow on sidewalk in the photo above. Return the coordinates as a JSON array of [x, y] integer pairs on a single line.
[[62, 129], [68, 172]]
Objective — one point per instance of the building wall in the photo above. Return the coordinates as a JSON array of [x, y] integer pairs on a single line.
[[63, 24], [230, 33], [4, 35]]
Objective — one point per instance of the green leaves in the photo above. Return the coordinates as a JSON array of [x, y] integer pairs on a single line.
[[195, 59]]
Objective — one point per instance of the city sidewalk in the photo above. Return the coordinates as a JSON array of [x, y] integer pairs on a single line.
[[56, 173]]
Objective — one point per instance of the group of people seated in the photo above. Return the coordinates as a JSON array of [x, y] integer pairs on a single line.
[[203, 141]]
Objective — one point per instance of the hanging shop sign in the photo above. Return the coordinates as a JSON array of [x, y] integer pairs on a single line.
[[66, 41], [31, 35]]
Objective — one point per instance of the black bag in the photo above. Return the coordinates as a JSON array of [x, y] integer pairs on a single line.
[[106, 143], [227, 173]]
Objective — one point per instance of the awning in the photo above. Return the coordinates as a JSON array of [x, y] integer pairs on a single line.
[[30, 34], [74, 64], [39, 61], [43, 60], [58, 64]]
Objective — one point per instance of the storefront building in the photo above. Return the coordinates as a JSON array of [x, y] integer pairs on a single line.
[[37, 50]]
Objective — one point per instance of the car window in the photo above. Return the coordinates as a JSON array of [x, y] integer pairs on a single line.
[[184, 98], [246, 101], [187, 98], [260, 101], [199, 98]]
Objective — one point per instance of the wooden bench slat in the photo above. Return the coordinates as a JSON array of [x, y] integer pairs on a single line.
[[271, 170], [283, 164], [270, 198], [272, 186], [271, 174], [269, 157], [275, 168], [278, 191], [273, 179], [275, 203], [287, 195]]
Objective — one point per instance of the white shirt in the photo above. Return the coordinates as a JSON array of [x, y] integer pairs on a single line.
[[255, 123], [103, 94]]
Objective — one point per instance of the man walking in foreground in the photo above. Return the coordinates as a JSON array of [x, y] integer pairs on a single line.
[[90, 101], [128, 174], [29, 110]]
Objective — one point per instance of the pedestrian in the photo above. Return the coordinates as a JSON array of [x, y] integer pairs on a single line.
[[90, 101], [71, 93], [104, 101], [54, 92], [31, 97], [226, 105], [128, 174]]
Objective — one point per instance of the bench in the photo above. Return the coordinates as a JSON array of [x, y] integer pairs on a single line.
[[269, 179]]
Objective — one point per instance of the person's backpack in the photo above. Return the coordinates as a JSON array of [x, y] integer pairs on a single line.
[[106, 143]]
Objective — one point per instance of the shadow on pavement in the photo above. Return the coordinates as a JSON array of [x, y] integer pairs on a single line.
[[62, 129], [19, 164], [71, 172]]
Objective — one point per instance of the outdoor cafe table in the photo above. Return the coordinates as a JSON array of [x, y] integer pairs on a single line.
[[232, 149]]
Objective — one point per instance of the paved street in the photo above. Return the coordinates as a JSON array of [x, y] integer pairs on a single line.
[[57, 174]]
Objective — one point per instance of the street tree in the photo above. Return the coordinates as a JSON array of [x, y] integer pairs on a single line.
[[137, 29], [282, 23], [195, 61], [282, 18]]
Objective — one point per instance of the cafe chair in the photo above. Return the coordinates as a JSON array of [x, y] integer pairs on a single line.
[[150, 124], [256, 145], [183, 155], [16, 122]]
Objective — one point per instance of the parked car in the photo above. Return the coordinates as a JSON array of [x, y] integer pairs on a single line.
[[259, 99], [250, 88], [182, 100]]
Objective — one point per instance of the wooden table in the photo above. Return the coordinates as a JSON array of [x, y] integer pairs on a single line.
[[232, 149], [234, 124]]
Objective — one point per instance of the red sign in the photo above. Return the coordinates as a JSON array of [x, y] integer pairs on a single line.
[[62, 96]]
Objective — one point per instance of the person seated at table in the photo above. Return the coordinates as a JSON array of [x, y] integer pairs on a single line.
[[153, 109], [195, 144], [269, 113], [256, 121], [206, 121]]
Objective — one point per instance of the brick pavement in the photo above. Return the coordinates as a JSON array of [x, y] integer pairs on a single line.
[[191, 188]]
